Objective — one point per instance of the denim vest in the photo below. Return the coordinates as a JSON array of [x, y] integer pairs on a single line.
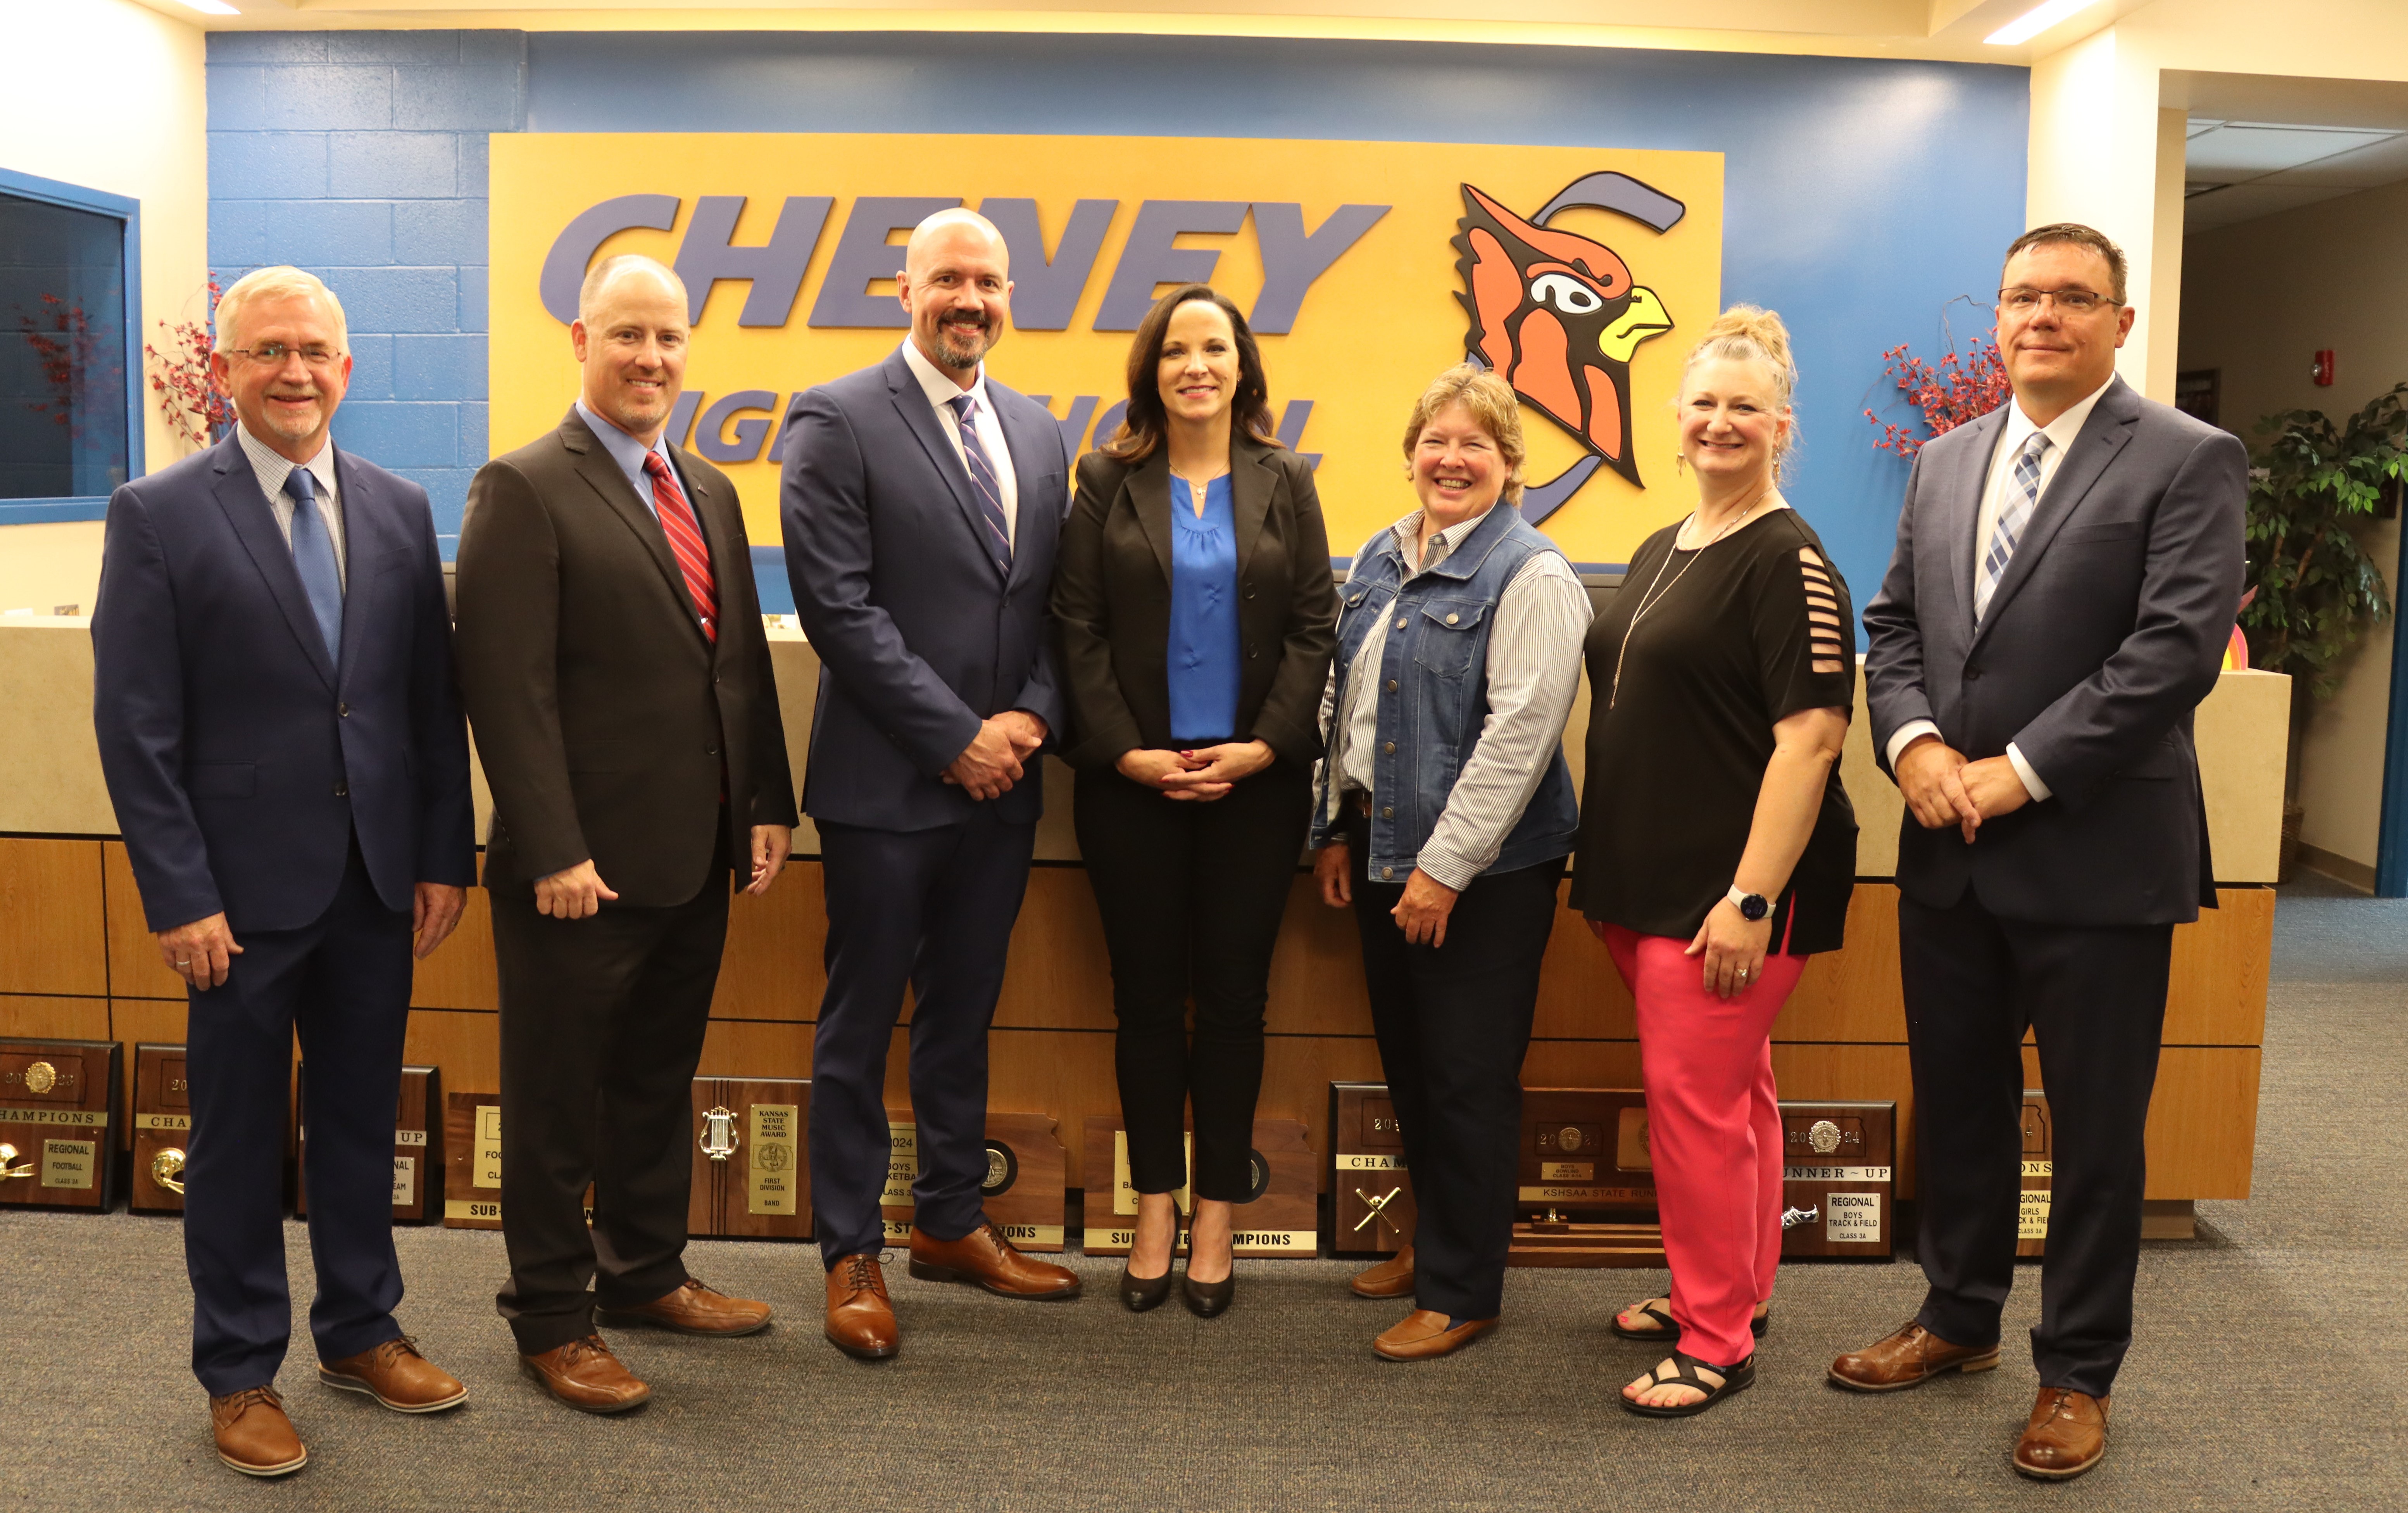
[[1435, 657]]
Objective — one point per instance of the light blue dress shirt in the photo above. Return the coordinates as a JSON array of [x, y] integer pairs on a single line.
[[1203, 649], [628, 454]]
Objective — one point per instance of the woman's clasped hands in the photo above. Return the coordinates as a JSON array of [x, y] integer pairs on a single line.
[[1198, 776]]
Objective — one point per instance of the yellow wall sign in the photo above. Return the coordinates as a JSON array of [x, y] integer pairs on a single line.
[[1585, 275]]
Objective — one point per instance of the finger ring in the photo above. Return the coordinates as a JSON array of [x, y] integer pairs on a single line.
[[184, 964]]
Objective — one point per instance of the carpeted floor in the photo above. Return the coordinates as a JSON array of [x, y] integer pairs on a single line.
[[2262, 1377]]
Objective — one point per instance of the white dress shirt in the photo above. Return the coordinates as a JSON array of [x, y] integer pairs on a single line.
[[2011, 437], [272, 470], [941, 391]]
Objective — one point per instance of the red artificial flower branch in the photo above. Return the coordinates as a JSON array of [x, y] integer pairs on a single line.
[[66, 349], [193, 409], [1959, 387]]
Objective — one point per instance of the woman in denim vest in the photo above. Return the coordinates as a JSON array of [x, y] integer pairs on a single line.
[[1443, 814]]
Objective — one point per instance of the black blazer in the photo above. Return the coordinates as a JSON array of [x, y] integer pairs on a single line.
[[1112, 604], [602, 712]]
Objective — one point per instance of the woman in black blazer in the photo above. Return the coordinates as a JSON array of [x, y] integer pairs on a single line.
[[1196, 611]]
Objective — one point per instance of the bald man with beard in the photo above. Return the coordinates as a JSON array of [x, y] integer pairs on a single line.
[[921, 500]]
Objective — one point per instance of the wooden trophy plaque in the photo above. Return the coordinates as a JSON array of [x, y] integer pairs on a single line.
[[1585, 1188], [57, 1102], [1024, 1192], [1370, 1193], [417, 1149], [1282, 1218], [472, 1164], [2040, 1167], [1837, 1180], [163, 1129], [752, 1159]]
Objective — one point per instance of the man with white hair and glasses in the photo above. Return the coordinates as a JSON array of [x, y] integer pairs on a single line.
[[273, 698]]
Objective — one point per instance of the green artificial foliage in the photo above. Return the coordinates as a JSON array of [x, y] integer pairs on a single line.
[[2317, 589]]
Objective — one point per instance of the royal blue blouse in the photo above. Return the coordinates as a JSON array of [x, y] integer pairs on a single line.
[[1203, 647]]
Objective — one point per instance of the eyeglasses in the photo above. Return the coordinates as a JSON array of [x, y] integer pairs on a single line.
[[2023, 301], [273, 354]]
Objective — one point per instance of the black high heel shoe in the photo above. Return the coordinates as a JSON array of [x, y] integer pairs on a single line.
[[1140, 1294], [1207, 1299]]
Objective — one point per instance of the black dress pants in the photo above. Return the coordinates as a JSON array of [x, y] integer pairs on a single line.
[[343, 982], [2095, 1001], [602, 1025], [1454, 1024], [1191, 896]]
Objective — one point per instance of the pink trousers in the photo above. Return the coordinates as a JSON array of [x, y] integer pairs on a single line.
[[1713, 1125]]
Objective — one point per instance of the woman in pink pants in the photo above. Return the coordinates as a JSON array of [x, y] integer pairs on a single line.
[[1717, 849]]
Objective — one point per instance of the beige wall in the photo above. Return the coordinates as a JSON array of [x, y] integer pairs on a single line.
[[2263, 296], [117, 103]]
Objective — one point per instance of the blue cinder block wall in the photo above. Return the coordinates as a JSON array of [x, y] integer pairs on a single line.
[[360, 156]]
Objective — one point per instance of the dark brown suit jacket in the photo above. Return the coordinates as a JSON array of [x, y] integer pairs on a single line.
[[1111, 603], [604, 717]]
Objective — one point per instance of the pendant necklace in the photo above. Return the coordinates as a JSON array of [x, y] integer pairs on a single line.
[[1653, 596]]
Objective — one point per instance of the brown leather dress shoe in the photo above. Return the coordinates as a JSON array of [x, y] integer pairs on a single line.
[[691, 1308], [1391, 1278], [860, 1318], [1423, 1335], [253, 1436], [2065, 1436], [396, 1376], [584, 1374], [1909, 1358], [983, 1256]]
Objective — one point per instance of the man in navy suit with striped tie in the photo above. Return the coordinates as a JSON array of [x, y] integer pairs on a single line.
[[921, 500], [272, 681]]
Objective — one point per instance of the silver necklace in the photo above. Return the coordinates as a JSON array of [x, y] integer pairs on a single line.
[[1658, 589]]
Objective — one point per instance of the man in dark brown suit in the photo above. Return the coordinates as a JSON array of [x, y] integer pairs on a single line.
[[614, 663]]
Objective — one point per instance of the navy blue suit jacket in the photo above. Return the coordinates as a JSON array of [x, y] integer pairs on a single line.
[[239, 759], [919, 636]]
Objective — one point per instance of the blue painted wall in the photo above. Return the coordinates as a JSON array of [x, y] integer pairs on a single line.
[[1860, 196]]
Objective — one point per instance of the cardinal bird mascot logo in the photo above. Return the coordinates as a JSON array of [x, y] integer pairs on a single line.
[[1559, 315]]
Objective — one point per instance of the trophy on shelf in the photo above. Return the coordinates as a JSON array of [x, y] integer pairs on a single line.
[[57, 1102], [1370, 1192], [163, 1129], [1280, 1217], [1023, 1191], [2040, 1167], [752, 1159], [417, 1149], [1838, 1180], [1585, 1188]]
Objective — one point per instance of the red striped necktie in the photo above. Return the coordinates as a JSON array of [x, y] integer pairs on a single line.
[[686, 540]]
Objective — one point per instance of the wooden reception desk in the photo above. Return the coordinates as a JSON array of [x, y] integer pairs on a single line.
[[75, 960]]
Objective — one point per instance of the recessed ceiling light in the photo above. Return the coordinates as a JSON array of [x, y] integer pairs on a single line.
[[2022, 29], [213, 8]]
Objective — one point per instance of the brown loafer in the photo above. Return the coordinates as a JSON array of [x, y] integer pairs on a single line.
[[1391, 1278], [691, 1308], [1909, 1358], [1424, 1334], [396, 1376], [253, 1436], [860, 1317], [2065, 1436], [584, 1374], [983, 1256]]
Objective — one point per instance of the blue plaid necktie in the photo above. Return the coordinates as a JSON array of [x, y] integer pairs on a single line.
[[983, 485], [313, 554], [2023, 493]]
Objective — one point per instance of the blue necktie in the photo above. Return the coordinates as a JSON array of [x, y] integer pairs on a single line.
[[983, 485], [2022, 494], [313, 554]]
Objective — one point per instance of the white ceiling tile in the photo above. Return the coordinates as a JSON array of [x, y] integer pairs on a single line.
[[2244, 150]]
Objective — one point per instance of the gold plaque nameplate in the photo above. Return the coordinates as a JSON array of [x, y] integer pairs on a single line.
[[162, 1121], [902, 1166], [405, 1181], [1852, 1218], [487, 1168], [897, 1228], [1588, 1195], [92, 1119], [1568, 1170], [409, 1137], [774, 1170], [487, 1208], [1835, 1174], [69, 1163], [1275, 1242], [1370, 1163], [2031, 1214], [2040, 1168], [1032, 1234]]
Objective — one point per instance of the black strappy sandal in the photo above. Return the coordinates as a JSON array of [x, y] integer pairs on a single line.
[[1671, 1332], [1738, 1379]]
